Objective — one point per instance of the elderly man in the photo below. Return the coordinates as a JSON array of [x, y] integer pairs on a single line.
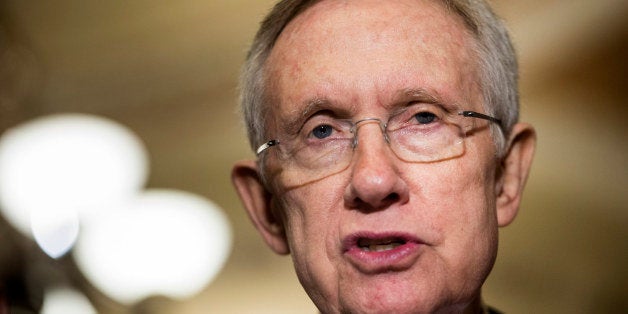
[[388, 149]]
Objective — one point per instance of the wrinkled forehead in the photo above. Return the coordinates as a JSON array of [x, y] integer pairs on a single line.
[[337, 47], [328, 18]]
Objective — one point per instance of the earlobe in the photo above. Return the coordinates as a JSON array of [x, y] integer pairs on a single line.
[[514, 172], [257, 203]]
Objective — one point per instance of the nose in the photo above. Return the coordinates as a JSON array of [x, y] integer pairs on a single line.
[[375, 182]]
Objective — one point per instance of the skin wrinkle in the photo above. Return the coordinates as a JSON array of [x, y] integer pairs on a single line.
[[285, 56], [297, 68], [358, 57], [304, 221], [293, 121]]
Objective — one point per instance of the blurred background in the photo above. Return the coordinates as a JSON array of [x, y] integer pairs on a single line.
[[168, 71]]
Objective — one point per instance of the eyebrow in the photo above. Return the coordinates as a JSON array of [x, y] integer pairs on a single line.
[[299, 114], [406, 96], [295, 119], [418, 94]]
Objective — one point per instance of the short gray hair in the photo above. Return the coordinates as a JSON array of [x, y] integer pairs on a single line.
[[496, 59]]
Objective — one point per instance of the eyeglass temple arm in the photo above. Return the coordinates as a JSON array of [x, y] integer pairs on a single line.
[[474, 114], [265, 146]]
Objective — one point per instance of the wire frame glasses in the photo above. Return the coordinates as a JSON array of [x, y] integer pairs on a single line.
[[324, 145]]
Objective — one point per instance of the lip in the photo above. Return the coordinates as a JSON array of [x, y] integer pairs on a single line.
[[399, 258]]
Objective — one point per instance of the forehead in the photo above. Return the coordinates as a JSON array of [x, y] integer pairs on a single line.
[[351, 51]]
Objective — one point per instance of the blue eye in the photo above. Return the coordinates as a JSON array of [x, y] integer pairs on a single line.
[[425, 117], [322, 131]]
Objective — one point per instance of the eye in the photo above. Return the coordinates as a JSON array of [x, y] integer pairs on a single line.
[[425, 117], [322, 131]]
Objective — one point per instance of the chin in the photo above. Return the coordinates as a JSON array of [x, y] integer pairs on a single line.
[[380, 302], [400, 304], [390, 293]]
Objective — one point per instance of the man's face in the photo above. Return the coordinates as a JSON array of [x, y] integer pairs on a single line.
[[359, 56]]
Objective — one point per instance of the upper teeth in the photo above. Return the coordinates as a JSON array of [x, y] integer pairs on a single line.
[[380, 247]]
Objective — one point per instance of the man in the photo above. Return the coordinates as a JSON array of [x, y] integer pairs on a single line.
[[388, 147]]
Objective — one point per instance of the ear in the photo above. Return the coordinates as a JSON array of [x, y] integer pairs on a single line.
[[257, 202], [515, 167]]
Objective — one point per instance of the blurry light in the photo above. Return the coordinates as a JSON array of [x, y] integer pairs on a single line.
[[66, 301], [167, 242], [61, 166], [55, 229]]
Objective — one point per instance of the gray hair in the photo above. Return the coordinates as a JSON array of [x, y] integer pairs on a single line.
[[496, 60]]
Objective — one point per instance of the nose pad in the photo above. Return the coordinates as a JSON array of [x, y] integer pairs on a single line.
[[359, 123]]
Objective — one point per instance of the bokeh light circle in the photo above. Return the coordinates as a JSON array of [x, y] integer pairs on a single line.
[[63, 300], [70, 163], [165, 242]]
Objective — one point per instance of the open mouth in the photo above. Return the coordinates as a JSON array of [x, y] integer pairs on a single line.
[[376, 252], [379, 245]]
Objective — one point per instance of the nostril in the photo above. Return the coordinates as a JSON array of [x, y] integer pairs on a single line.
[[375, 206], [391, 198]]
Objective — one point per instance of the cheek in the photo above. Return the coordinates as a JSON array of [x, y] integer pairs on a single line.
[[459, 197], [462, 220], [311, 222], [310, 214]]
